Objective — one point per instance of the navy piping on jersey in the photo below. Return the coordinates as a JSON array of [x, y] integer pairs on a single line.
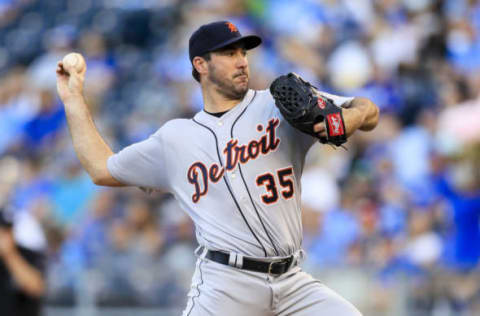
[[198, 287], [245, 183], [229, 189]]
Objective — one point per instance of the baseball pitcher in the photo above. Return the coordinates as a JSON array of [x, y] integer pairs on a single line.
[[235, 168]]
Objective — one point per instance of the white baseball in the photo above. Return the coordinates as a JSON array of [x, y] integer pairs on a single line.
[[74, 61]]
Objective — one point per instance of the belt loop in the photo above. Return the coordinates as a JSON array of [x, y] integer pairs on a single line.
[[232, 259], [296, 255], [302, 255], [297, 258], [239, 261], [204, 252], [201, 252]]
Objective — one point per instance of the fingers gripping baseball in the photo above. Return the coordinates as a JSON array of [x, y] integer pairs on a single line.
[[70, 76]]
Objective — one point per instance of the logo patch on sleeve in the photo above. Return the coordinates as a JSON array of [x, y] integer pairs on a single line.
[[335, 124]]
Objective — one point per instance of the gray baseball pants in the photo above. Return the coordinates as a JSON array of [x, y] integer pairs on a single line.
[[222, 290]]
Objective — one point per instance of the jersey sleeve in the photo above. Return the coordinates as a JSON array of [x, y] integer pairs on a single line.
[[142, 164], [337, 100]]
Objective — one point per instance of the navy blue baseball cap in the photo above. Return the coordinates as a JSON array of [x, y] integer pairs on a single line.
[[213, 36]]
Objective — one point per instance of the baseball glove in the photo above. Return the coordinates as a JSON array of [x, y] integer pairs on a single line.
[[302, 106]]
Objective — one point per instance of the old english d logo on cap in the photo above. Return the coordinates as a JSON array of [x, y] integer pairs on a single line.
[[232, 27], [216, 35]]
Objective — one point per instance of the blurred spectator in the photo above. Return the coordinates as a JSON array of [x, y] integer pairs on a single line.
[[22, 252], [40, 131], [21, 272]]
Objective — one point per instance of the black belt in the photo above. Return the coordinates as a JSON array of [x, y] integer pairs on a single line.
[[273, 267]]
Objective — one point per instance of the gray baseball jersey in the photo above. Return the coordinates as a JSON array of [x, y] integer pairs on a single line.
[[237, 176]]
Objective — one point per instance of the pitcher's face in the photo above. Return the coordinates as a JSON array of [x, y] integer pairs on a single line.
[[228, 71]]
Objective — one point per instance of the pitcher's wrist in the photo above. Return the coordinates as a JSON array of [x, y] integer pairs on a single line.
[[73, 98], [353, 119]]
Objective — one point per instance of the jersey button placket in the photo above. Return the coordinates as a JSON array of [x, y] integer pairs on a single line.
[[233, 173]]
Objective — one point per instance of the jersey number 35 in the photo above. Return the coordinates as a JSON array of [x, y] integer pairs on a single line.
[[285, 180]]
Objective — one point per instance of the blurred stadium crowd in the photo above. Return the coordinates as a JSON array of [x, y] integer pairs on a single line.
[[393, 223]]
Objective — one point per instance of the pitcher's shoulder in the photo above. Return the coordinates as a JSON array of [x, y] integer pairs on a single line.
[[263, 94], [174, 127]]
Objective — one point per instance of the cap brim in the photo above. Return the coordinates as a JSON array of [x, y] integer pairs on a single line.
[[250, 41]]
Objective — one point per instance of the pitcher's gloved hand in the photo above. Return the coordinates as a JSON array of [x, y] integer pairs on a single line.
[[303, 106]]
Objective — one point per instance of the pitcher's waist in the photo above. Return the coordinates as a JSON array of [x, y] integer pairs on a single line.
[[272, 265]]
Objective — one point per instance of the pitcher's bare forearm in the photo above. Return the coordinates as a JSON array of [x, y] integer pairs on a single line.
[[362, 114], [91, 149]]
